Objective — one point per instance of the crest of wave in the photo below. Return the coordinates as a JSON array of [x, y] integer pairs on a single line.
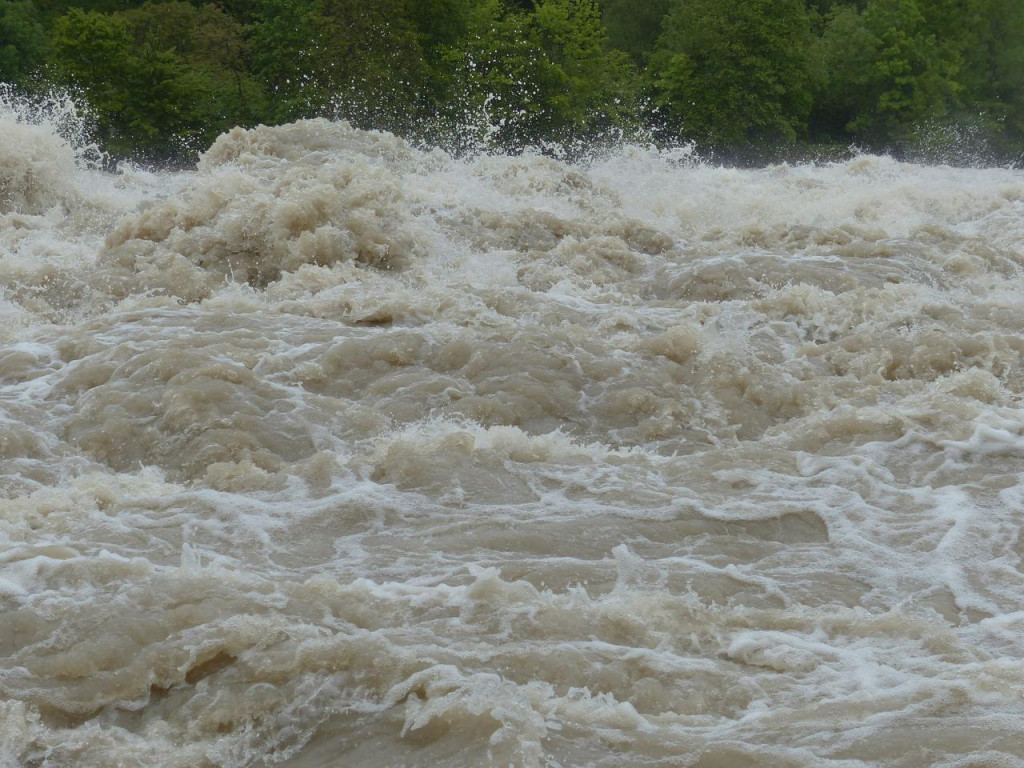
[[267, 200], [45, 141]]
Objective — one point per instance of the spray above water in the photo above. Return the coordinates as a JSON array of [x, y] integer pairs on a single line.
[[37, 155], [340, 451]]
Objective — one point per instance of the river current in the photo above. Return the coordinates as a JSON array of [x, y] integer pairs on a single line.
[[336, 451]]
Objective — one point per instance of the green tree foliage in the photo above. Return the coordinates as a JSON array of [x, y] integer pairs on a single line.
[[163, 76], [52, 9], [992, 72], [157, 75], [572, 36], [285, 38], [361, 60], [211, 45], [545, 74], [503, 74], [735, 72], [377, 71], [633, 26], [22, 40], [888, 70], [442, 23]]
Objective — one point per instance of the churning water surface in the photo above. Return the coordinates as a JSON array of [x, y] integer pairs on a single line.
[[340, 452]]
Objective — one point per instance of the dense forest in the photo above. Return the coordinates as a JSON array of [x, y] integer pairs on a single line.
[[747, 79]]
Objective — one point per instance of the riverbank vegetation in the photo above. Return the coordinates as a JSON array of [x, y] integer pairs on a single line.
[[748, 79]]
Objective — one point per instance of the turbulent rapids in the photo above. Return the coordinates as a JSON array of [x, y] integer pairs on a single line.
[[342, 452]]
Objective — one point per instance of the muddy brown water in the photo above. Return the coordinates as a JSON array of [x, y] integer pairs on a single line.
[[339, 452]]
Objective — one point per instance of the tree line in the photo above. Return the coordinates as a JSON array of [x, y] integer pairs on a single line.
[[747, 78]]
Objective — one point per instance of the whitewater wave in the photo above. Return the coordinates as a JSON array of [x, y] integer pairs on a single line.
[[336, 450]]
